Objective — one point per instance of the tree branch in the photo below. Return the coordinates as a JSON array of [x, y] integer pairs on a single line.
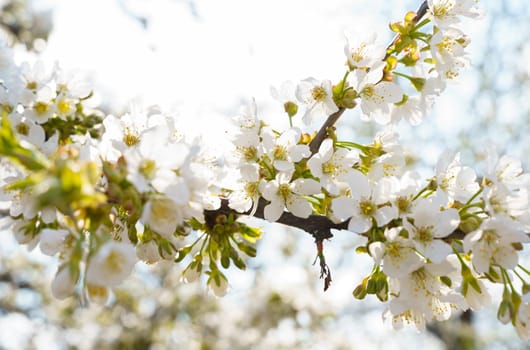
[[318, 226], [314, 145]]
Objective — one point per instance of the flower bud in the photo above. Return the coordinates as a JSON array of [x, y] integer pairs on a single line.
[[505, 312]]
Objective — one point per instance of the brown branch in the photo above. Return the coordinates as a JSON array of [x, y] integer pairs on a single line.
[[314, 145], [318, 226]]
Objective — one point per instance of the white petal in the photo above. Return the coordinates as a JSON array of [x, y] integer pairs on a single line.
[[298, 152], [385, 214], [274, 210], [315, 165], [389, 91], [305, 186], [359, 185], [377, 250], [436, 250], [269, 191], [342, 208], [284, 165], [299, 207], [447, 221], [360, 224]]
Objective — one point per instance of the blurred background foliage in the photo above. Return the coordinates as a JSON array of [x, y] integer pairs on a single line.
[[278, 303]]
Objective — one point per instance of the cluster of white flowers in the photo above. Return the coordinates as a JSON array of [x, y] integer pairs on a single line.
[[162, 179], [104, 192]]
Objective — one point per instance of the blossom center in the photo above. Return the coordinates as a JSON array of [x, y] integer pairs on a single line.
[[251, 188], [64, 106], [279, 152], [249, 153], [148, 168], [130, 138], [357, 54], [41, 107], [367, 208], [403, 204], [114, 262], [319, 93], [31, 85], [490, 237], [6, 108], [22, 129], [424, 233], [284, 190], [329, 168]]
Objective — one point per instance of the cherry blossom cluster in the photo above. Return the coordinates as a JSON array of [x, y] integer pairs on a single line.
[[104, 192]]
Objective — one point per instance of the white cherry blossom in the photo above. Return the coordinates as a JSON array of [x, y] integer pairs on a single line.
[[64, 283], [492, 244], [52, 240], [376, 96], [397, 254], [367, 203], [363, 50], [445, 13], [427, 224], [317, 96], [282, 193], [284, 150], [422, 297], [331, 166], [456, 180], [447, 49], [111, 264]]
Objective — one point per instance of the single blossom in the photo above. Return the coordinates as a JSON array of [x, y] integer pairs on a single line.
[[363, 50], [376, 96], [111, 264], [427, 224], [318, 98], [445, 13], [397, 254], [493, 243], [367, 203], [282, 193], [332, 167], [284, 150]]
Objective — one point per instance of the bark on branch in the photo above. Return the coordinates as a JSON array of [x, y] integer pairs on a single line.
[[318, 226]]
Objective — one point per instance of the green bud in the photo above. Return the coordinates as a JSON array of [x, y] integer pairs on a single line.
[[371, 286], [225, 261], [526, 288], [505, 312], [360, 291], [290, 108], [247, 249], [347, 100], [470, 224], [240, 264]]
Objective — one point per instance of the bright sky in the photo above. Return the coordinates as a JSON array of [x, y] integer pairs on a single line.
[[208, 62]]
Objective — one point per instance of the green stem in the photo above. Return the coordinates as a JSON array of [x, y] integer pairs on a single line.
[[421, 24], [522, 268], [520, 277], [351, 144], [474, 196], [506, 278]]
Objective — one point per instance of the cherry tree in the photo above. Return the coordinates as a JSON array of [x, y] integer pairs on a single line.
[[102, 192]]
